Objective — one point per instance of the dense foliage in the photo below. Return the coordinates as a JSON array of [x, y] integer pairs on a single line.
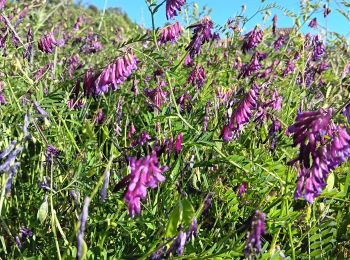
[[194, 141]]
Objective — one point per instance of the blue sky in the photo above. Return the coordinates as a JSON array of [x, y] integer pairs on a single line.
[[223, 9]]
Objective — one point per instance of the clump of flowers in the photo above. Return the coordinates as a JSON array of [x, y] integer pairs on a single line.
[[172, 6], [241, 114], [170, 33], [253, 245], [323, 146], [144, 173], [197, 77], [114, 75], [201, 34], [252, 39], [48, 42]]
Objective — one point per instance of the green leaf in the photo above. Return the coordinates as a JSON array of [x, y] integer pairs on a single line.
[[188, 212], [330, 182], [42, 212], [174, 221]]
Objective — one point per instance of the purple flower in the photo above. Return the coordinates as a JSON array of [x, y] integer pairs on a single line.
[[185, 101], [73, 64], [252, 39], [319, 48], [192, 229], [279, 43], [142, 139], [178, 143], [2, 95], [274, 130], [82, 227], [242, 189], [252, 67], [172, 6], [29, 46], [326, 11], [24, 233], [206, 116], [105, 185], [201, 34], [113, 75], [179, 243], [322, 67], [274, 24], [78, 23], [197, 77], [2, 4], [207, 202], [158, 96], [253, 245], [290, 67], [145, 173], [91, 44], [313, 23], [317, 154], [242, 113], [99, 117], [188, 62], [39, 74], [47, 43], [170, 33], [344, 74]]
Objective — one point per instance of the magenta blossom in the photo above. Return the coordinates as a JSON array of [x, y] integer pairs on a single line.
[[145, 173], [170, 33], [253, 245], [47, 43], [201, 34], [113, 75], [178, 143], [313, 23], [241, 114], [172, 6], [322, 147], [252, 39], [197, 77]]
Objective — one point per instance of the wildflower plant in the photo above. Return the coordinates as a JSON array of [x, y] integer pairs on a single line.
[[193, 140]]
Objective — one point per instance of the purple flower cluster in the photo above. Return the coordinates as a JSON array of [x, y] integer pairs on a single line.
[[290, 67], [197, 77], [158, 96], [47, 43], [252, 39], [2, 4], [172, 6], [252, 67], [82, 226], [201, 34], [91, 44], [40, 73], [185, 101], [114, 74], [2, 95], [279, 42], [274, 24], [319, 49], [178, 245], [322, 147], [73, 64], [145, 173], [253, 245], [24, 233], [170, 33], [313, 23], [9, 164], [242, 114]]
